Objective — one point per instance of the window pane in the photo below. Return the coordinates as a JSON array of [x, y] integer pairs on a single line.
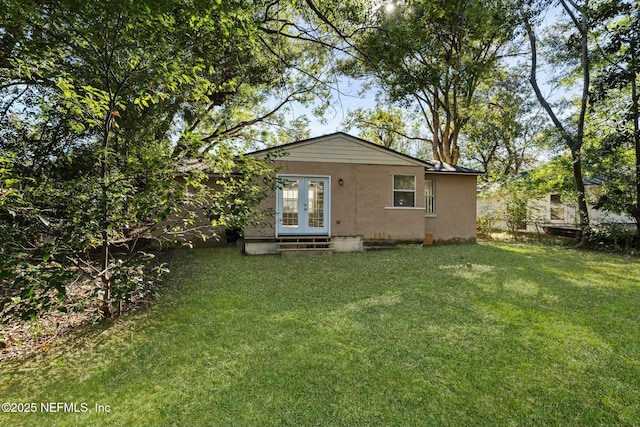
[[404, 199], [316, 204], [404, 182], [428, 187], [290, 204], [557, 207], [429, 195]]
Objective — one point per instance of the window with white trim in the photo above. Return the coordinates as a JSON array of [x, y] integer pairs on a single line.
[[556, 208], [430, 196], [404, 191]]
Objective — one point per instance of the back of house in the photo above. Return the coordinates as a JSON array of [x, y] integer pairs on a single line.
[[338, 192]]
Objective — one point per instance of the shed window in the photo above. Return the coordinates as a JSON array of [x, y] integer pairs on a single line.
[[404, 191], [556, 208], [430, 196]]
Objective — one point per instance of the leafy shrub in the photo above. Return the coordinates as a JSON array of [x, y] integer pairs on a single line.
[[614, 235]]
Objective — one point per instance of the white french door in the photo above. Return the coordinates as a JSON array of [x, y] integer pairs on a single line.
[[302, 205]]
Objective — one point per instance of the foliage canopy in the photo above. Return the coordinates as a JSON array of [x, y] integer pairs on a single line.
[[432, 56], [102, 107]]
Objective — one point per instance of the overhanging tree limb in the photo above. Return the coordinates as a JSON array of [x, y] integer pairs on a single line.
[[574, 143], [212, 139]]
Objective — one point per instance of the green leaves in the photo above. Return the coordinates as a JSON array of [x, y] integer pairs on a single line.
[[432, 56], [66, 87], [105, 104]]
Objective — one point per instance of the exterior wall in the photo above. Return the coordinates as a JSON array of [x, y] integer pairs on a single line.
[[267, 228], [363, 205], [491, 207], [539, 212], [455, 211]]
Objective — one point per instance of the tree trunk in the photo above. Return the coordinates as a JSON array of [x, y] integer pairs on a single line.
[[583, 211], [572, 141], [455, 149], [438, 150], [636, 141], [637, 243], [104, 225]]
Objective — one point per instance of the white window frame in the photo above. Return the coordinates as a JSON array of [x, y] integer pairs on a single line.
[[430, 197], [394, 190]]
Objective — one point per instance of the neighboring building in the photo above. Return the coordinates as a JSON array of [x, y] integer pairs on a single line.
[[340, 191], [547, 211]]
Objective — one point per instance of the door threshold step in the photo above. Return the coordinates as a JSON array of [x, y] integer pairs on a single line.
[[306, 244]]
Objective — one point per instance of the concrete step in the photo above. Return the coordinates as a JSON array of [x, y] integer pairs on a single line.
[[291, 244]]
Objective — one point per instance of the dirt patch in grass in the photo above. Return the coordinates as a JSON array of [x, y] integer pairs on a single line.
[[23, 339]]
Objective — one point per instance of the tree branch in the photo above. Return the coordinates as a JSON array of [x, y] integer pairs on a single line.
[[533, 79], [211, 139]]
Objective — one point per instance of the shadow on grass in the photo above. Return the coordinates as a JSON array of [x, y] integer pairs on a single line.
[[470, 334]]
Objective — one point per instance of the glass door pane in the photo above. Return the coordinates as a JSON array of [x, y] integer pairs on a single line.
[[315, 203], [290, 198]]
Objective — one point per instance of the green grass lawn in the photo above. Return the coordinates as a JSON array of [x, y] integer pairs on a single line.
[[484, 334]]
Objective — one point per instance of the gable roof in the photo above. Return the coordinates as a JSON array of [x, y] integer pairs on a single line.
[[341, 147]]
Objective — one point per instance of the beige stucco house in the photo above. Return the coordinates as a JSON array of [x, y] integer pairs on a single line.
[[339, 191]]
